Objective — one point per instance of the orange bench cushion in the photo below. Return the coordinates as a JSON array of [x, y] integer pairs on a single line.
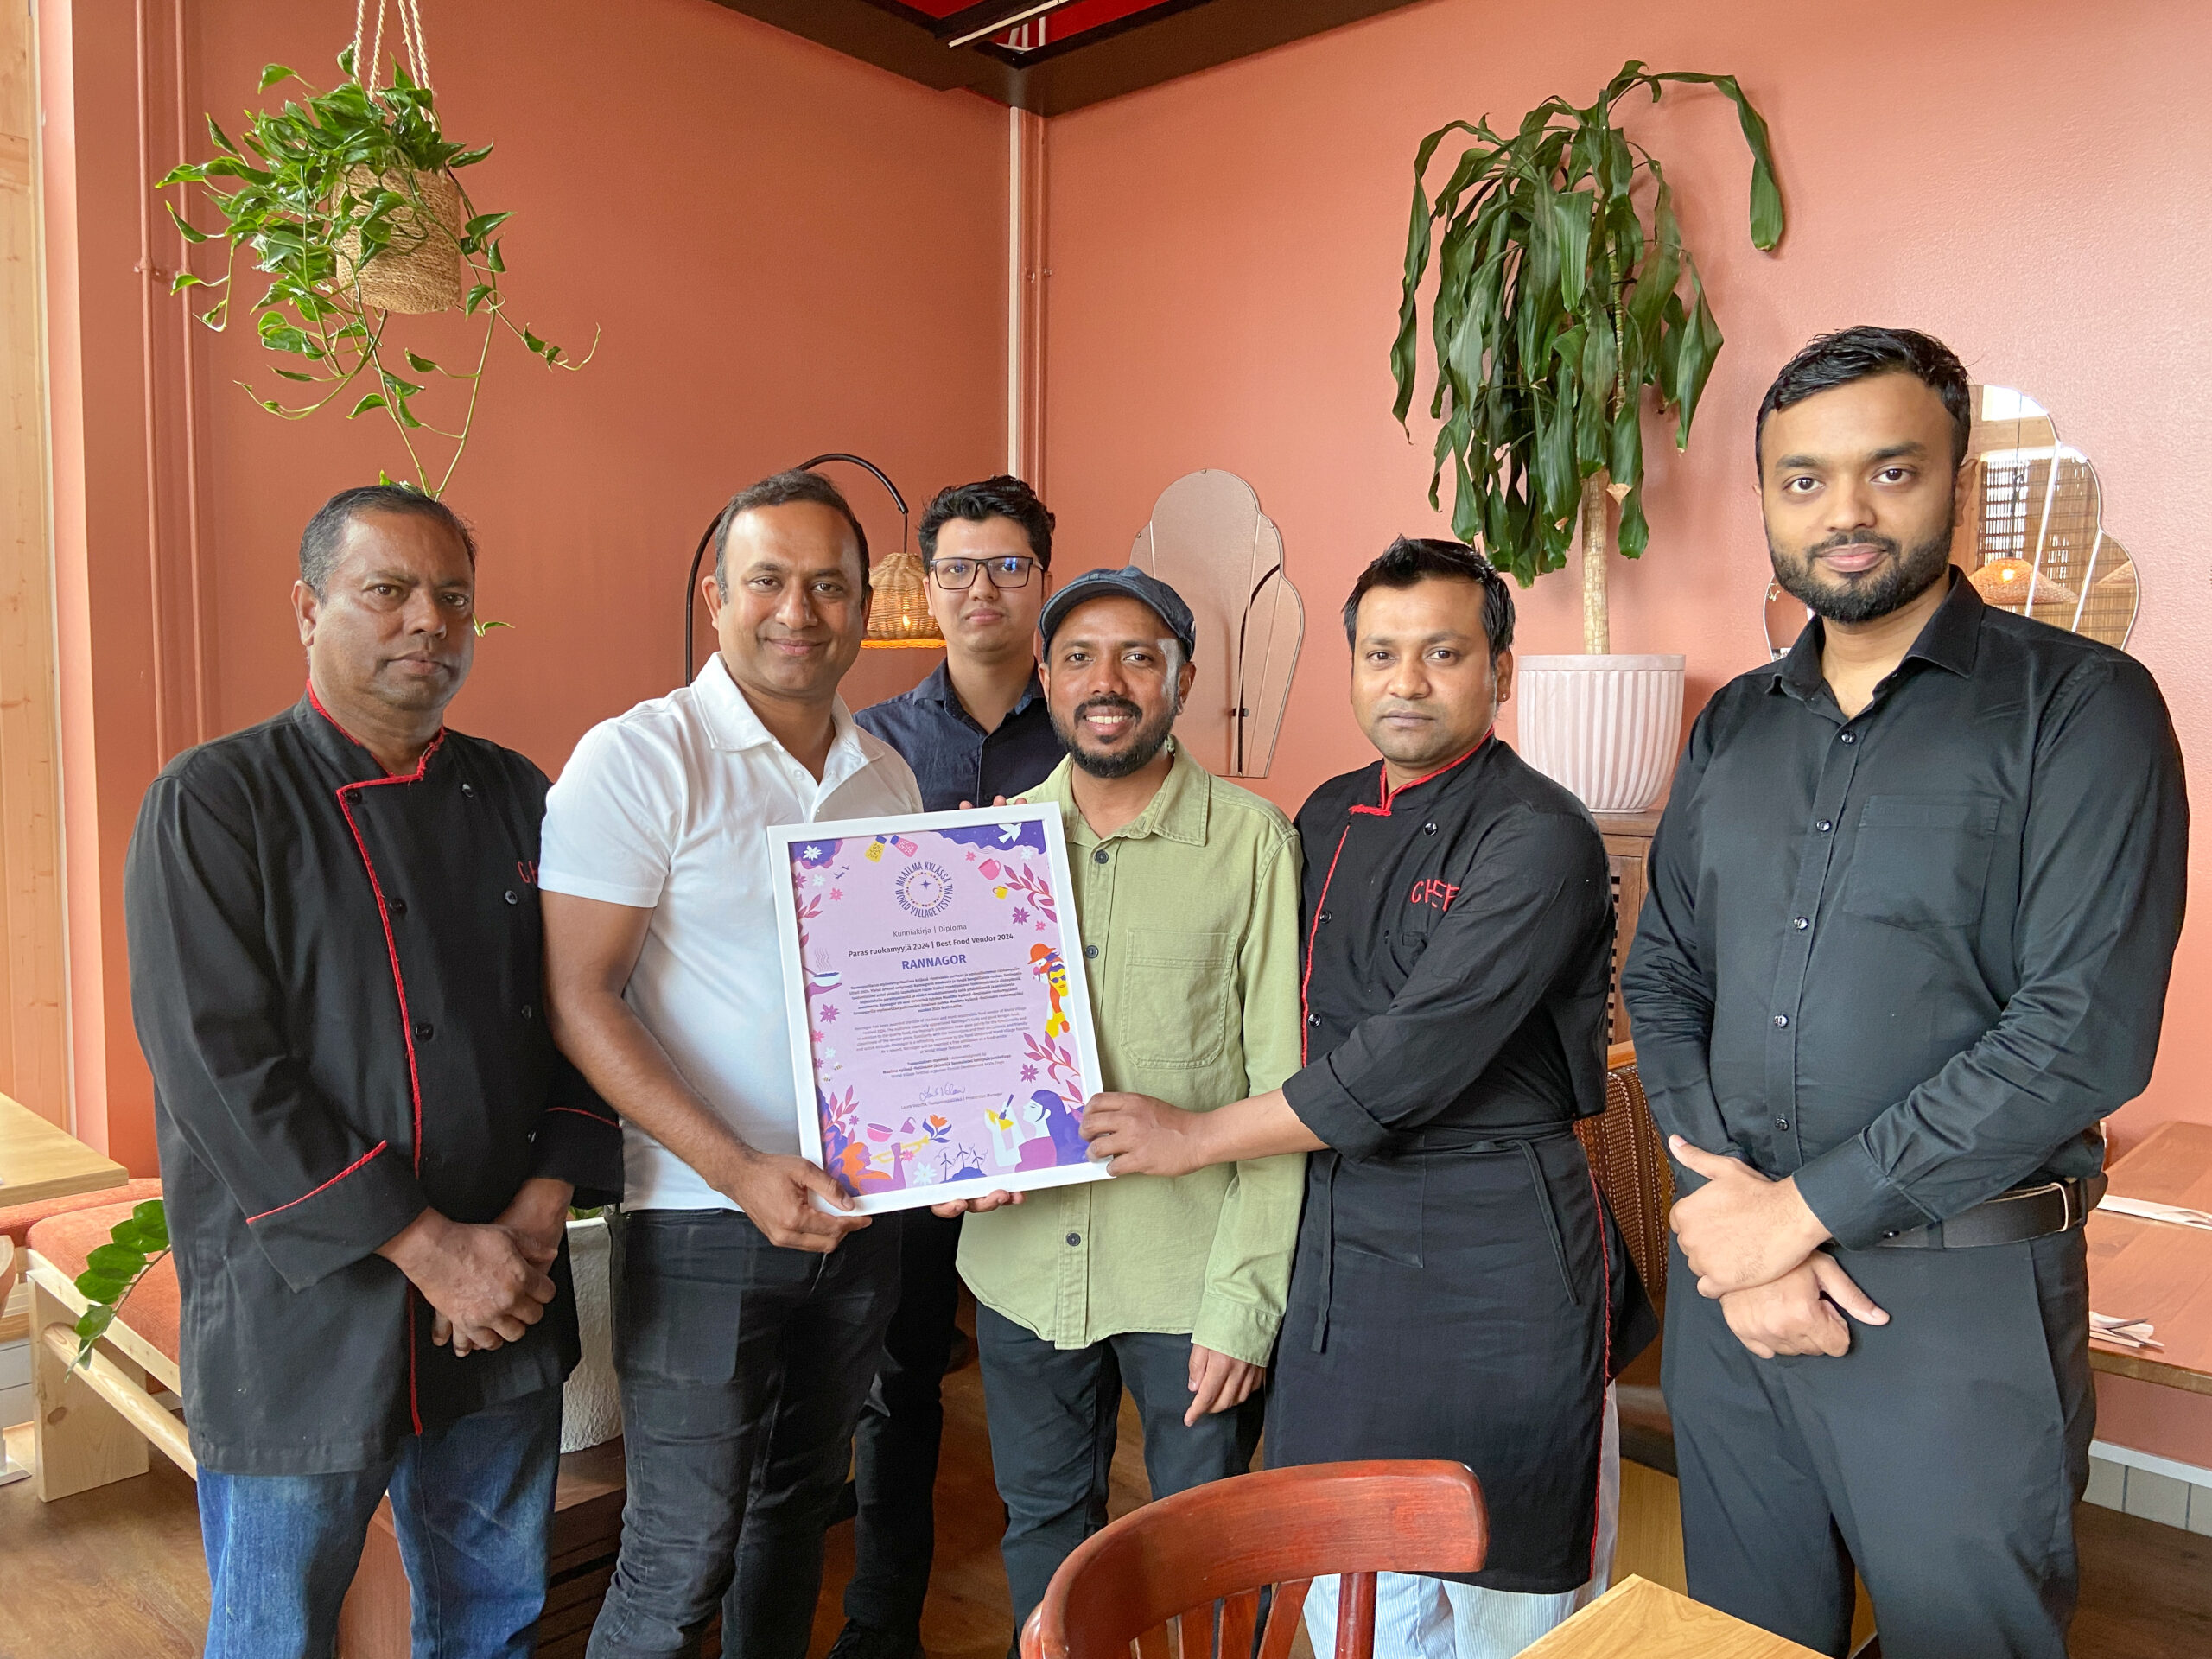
[[152, 1309], [17, 1222]]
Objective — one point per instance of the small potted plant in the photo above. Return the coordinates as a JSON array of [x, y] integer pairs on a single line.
[[349, 201], [1559, 302]]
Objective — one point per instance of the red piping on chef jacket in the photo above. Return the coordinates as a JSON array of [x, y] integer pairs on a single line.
[[1313, 929], [398, 981]]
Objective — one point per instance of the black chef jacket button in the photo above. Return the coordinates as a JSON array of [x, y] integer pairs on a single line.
[[1801, 922], [1781, 1123], [529, 1012], [511, 897], [1781, 1019], [468, 789], [1313, 1018], [1824, 826], [1075, 1238], [1429, 828], [399, 907], [1098, 857], [422, 1029], [1851, 737], [1090, 952], [1323, 917]]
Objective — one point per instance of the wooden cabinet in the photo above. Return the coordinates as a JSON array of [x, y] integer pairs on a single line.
[[1628, 847]]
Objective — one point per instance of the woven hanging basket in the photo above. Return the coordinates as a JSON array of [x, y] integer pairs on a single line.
[[900, 613], [418, 271]]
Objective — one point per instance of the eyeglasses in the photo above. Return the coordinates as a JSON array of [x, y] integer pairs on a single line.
[[956, 575]]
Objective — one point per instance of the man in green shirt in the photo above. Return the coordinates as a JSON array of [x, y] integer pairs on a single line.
[[1186, 893]]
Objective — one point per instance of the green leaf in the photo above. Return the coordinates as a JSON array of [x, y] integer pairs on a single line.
[[271, 74], [115, 1260], [295, 374], [484, 626], [532, 341], [220, 139], [477, 294], [421, 365], [1625, 461], [1634, 533], [476, 227], [492, 259], [1575, 211], [362, 408], [97, 1287]]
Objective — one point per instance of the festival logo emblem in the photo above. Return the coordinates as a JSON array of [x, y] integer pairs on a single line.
[[924, 890]]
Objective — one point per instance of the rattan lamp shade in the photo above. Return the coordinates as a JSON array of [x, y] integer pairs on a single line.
[[898, 615]]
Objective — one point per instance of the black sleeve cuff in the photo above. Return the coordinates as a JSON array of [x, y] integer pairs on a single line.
[[1326, 1107], [347, 1218], [579, 1142]]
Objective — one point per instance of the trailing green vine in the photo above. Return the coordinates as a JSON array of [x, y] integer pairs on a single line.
[[316, 194], [113, 1270]]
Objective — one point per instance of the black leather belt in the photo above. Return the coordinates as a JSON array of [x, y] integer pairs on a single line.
[[2012, 1217]]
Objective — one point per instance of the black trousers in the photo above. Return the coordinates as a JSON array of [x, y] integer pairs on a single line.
[[895, 1452], [1943, 1455], [742, 1368], [1054, 1415]]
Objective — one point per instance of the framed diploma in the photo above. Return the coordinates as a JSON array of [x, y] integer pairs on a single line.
[[940, 1024]]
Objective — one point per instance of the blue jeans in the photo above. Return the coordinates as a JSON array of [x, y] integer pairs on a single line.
[[471, 1502]]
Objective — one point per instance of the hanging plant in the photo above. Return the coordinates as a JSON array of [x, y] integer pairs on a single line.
[[350, 202], [1556, 307]]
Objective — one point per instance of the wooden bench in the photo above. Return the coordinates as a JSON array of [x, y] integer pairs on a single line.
[[96, 1426]]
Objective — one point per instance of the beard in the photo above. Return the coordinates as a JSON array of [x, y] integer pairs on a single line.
[[1140, 751], [1897, 580]]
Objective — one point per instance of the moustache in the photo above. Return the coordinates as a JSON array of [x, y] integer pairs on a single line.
[[1842, 539], [1111, 704]]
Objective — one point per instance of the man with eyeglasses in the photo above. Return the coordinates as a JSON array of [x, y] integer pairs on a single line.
[[975, 729]]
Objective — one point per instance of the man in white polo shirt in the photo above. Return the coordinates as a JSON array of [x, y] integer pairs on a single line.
[[747, 1321]]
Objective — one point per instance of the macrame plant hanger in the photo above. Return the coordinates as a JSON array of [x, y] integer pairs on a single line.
[[418, 271]]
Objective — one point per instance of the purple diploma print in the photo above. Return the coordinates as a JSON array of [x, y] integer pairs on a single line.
[[947, 1036]]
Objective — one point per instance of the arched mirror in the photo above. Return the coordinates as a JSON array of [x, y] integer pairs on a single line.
[[2032, 539], [1209, 541]]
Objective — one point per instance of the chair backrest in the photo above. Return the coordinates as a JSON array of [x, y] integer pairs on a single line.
[[1629, 1157], [1195, 1564]]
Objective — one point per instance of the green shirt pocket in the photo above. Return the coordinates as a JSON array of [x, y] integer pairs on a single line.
[[1176, 991]]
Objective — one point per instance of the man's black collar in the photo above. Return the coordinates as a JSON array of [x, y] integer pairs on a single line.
[[1950, 640]]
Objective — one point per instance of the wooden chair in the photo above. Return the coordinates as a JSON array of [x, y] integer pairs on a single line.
[[1629, 1157], [1198, 1562]]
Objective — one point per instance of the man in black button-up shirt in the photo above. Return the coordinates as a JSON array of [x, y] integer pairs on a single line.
[[1913, 907], [975, 729]]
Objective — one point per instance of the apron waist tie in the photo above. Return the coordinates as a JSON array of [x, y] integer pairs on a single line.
[[1524, 1140]]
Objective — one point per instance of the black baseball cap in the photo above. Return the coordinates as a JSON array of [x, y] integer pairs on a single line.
[[1131, 582]]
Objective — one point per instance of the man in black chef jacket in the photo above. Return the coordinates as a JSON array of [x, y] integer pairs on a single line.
[[368, 1143], [1913, 906], [1459, 1290]]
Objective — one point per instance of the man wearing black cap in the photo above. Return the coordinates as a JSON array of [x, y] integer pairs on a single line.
[[1186, 893]]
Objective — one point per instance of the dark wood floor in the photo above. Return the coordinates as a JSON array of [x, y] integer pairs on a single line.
[[116, 1574]]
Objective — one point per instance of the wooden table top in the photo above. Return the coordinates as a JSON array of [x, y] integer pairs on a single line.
[[2155, 1270], [1639, 1617], [38, 1162]]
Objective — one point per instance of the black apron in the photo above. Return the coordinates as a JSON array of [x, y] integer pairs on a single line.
[[1459, 1289]]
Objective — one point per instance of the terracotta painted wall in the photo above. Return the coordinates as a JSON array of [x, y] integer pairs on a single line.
[[2026, 180], [788, 253]]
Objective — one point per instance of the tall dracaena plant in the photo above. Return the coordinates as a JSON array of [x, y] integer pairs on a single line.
[[1555, 308], [316, 193]]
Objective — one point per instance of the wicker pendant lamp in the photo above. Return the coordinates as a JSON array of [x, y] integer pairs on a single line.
[[898, 613]]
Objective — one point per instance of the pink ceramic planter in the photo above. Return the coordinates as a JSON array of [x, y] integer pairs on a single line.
[[1604, 727]]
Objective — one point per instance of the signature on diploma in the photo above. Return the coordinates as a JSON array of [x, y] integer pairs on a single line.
[[940, 1091]]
